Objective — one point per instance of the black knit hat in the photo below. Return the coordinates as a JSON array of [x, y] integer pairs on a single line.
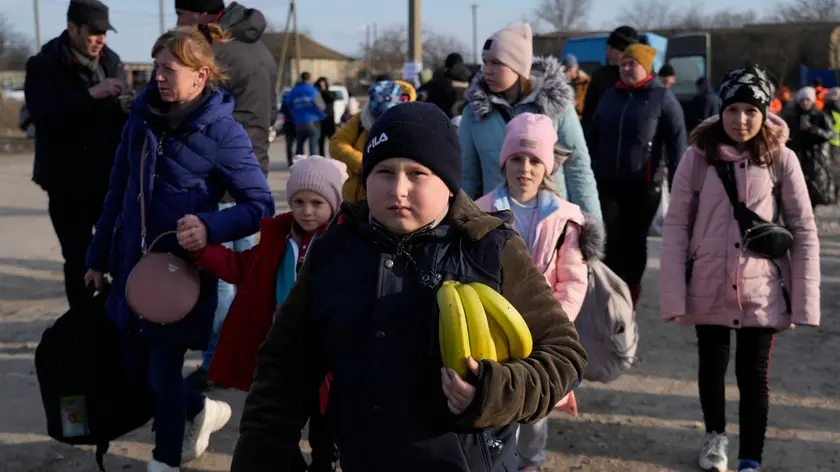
[[666, 71], [419, 131], [747, 85], [200, 6], [622, 37]]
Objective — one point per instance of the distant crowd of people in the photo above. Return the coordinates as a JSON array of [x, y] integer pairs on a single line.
[[522, 176]]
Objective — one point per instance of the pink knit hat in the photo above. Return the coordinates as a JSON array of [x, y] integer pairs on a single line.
[[532, 135], [319, 174]]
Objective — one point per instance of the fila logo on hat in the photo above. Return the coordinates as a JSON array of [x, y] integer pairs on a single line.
[[377, 141]]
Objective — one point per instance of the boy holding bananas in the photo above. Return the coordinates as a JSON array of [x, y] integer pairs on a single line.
[[365, 309]]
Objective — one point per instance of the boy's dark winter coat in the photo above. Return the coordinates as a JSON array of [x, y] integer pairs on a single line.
[[365, 309]]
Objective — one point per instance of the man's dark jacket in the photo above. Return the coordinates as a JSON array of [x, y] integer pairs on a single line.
[[635, 131], [252, 74], [447, 88], [603, 79], [76, 135], [704, 105]]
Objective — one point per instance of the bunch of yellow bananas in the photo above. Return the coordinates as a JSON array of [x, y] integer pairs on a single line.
[[465, 330]]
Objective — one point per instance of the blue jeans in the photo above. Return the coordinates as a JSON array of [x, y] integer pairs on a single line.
[[310, 131], [226, 294], [175, 400]]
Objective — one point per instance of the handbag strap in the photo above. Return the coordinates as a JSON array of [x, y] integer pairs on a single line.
[[727, 177], [143, 152], [143, 231]]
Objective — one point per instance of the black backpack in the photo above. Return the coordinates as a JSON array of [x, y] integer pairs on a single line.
[[88, 396]]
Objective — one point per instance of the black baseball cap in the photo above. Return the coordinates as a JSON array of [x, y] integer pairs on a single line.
[[90, 13]]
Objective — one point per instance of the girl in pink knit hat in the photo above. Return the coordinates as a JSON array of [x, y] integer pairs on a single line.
[[264, 276], [559, 236]]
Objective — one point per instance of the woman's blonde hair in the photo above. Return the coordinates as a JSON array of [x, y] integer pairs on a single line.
[[193, 47]]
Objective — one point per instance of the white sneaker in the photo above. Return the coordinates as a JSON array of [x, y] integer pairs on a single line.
[[713, 455], [212, 418], [155, 466]]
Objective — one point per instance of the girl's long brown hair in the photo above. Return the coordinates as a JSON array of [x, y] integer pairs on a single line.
[[763, 148]]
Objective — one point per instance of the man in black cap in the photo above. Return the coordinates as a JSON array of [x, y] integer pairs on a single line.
[[246, 60], [252, 76], [448, 86], [77, 95], [667, 75], [607, 76]]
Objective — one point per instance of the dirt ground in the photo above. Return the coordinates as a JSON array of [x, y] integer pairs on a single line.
[[648, 420]]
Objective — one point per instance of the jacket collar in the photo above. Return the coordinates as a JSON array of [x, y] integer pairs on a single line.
[[217, 105], [552, 93], [59, 49], [547, 202], [646, 83]]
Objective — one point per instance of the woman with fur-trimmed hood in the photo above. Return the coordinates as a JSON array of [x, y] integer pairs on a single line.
[[511, 83]]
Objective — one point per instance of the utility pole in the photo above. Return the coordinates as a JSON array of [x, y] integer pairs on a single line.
[[284, 51], [367, 46], [475, 33], [37, 25], [162, 22], [414, 62], [297, 38]]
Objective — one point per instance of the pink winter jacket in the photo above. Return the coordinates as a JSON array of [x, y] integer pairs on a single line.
[[729, 286], [565, 268]]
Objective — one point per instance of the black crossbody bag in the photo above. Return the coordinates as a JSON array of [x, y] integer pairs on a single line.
[[763, 238]]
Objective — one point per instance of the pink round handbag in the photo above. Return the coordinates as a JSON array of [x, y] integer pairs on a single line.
[[162, 287]]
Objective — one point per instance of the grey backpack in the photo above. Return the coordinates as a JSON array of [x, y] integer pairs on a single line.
[[607, 325]]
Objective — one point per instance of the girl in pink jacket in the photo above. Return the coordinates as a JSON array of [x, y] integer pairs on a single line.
[[560, 238], [710, 280]]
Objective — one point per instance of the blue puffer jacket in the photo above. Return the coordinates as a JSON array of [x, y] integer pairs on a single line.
[[634, 131], [186, 172], [482, 133]]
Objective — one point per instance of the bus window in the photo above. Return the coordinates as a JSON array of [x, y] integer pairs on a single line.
[[687, 70]]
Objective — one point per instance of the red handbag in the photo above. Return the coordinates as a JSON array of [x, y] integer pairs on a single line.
[[162, 287]]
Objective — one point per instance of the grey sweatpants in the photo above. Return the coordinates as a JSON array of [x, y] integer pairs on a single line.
[[530, 443]]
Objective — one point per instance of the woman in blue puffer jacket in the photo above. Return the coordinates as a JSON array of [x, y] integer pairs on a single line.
[[510, 83], [195, 152]]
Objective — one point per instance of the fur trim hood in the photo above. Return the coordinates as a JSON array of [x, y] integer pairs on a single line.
[[552, 93], [592, 238]]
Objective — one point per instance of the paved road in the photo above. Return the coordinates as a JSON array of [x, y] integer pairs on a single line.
[[648, 420]]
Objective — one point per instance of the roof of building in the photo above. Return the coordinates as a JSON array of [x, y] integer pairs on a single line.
[[309, 49]]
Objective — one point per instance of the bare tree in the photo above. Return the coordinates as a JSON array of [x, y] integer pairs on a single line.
[[647, 15], [798, 11], [658, 14], [14, 49], [564, 15], [727, 19], [437, 46], [389, 49]]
